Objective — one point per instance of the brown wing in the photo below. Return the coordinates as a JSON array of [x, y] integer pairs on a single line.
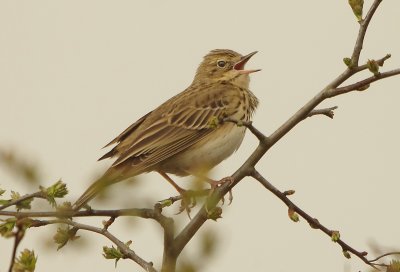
[[176, 125], [123, 136]]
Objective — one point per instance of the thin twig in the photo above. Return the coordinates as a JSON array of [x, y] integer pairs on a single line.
[[169, 233], [18, 235], [385, 255], [166, 223], [260, 136], [38, 194], [362, 31], [188, 193], [380, 62], [329, 112], [126, 251], [359, 86], [144, 213], [311, 220]]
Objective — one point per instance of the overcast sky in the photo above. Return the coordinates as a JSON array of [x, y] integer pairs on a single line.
[[74, 74]]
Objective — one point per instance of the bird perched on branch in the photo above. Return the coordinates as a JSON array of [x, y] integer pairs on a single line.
[[186, 135]]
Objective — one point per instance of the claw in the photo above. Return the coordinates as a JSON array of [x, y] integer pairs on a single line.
[[187, 202], [193, 202], [184, 207], [230, 198], [216, 183]]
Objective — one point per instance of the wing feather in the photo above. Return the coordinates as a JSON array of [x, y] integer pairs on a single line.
[[175, 126], [127, 131]]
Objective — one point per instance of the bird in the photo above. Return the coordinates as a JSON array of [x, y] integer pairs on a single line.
[[186, 135]]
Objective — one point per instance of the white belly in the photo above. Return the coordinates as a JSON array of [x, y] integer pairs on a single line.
[[207, 153]]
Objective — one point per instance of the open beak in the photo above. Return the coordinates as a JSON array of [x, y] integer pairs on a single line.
[[239, 66]]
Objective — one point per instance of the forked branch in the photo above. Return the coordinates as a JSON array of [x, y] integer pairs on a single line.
[[247, 169]]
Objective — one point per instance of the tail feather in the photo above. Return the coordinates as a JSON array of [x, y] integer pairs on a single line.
[[92, 191]]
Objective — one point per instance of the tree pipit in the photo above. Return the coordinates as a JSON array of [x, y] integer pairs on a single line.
[[186, 135]]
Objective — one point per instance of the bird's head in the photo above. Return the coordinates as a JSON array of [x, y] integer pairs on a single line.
[[224, 65]]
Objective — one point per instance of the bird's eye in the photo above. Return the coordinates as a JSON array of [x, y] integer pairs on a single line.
[[221, 63]]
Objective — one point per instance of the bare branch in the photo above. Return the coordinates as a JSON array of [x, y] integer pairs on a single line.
[[154, 214], [169, 233], [18, 235], [38, 194], [385, 255], [380, 62], [359, 86], [314, 223], [188, 193], [190, 230], [248, 166], [260, 136], [362, 31], [329, 112]]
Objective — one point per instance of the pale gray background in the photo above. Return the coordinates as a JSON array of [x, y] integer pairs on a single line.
[[73, 74]]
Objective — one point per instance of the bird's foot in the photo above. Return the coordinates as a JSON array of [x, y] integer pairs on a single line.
[[188, 201], [216, 183]]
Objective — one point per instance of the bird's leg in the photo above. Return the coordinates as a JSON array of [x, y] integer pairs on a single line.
[[176, 186], [187, 202]]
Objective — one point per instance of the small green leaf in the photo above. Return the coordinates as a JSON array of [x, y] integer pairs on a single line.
[[346, 254], [112, 253], [25, 204], [373, 67], [357, 7], [26, 262], [63, 235], [293, 215], [2, 192], [335, 236], [64, 207], [348, 62], [166, 203], [57, 190], [7, 227]]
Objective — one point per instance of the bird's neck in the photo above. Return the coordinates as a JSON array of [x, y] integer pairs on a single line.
[[242, 81]]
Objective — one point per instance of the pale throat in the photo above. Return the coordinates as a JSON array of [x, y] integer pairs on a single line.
[[242, 81], [239, 80]]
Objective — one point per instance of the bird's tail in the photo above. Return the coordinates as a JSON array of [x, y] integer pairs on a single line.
[[92, 191]]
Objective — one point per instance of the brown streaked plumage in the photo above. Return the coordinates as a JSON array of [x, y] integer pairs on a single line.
[[180, 137]]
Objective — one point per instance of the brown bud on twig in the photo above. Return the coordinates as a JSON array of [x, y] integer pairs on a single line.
[[289, 192]]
